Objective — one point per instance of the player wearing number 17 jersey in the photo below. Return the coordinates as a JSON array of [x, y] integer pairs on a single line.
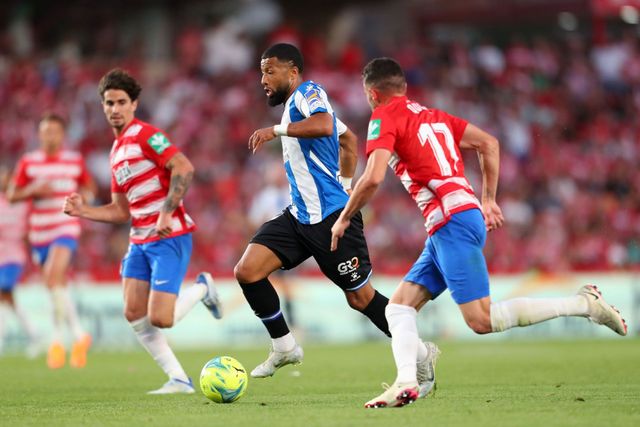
[[422, 146]]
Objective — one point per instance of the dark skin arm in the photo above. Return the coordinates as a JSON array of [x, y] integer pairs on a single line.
[[348, 154], [319, 124]]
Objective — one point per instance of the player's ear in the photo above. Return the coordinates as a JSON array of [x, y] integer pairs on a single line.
[[135, 105]]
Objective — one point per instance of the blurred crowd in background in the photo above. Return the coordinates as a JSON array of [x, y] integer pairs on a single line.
[[564, 108]]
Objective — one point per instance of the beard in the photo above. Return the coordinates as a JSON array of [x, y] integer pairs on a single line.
[[278, 97]]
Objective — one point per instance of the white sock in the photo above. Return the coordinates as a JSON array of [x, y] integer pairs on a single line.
[[58, 309], [284, 343], [156, 344], [25, 322], [404, 340], [187, 299], [528, 311], [423, 352], [71, 312]]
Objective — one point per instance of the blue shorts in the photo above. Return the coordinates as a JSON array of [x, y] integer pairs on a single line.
[[452, 258], [40, 253], [163, 263], [9, 276]]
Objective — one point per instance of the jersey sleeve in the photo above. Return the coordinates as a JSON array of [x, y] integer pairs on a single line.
[[340, 127], [311, 99], [382, 132], [456, 124], [156, 146], [20, 178]]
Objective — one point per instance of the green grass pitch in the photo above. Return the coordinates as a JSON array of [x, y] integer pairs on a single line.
[[480, 383]]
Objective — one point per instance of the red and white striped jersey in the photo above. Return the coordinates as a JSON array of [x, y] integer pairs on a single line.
[[138, 158], [425, 156], [13, 230], [65, 172]]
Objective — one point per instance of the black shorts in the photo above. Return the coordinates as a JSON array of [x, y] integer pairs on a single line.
[[348, 267]]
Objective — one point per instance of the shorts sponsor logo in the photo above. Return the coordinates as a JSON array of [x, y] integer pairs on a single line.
[[349, 266], [158, 142], [161, 282]]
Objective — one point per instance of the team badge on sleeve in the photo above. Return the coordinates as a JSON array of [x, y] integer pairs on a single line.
[[158, 142], [312, 95], [374, 129]]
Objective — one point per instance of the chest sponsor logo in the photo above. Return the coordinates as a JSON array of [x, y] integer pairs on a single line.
[[123, 173], [158, 142], [374, 129]]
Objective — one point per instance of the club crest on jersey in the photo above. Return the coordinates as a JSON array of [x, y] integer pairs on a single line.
[[123, 173], [158, 142], [374, 129], [312, 95]]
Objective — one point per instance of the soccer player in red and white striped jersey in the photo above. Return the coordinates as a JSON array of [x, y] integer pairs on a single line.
[[13, 256], [150, 177], [45, 177], [422, 145]]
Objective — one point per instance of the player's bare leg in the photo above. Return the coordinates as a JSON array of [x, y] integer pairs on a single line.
[[138, 310], [8, 305], [484, 317], [371, 303], [252, 273]]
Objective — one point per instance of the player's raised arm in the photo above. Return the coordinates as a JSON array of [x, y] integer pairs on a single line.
[[365, 189], [488, 150], [116, 212], [315, 126]]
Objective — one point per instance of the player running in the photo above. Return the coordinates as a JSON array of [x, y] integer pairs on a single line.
[[422, 146], [317, 149], [45, 177], [13, 256], [149, 178]]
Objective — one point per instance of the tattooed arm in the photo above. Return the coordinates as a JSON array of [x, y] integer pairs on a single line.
[[181, 176]]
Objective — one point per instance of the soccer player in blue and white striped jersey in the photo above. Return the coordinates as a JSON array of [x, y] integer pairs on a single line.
[[319, 155]]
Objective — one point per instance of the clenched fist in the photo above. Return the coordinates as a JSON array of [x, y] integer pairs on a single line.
[[73, 205]]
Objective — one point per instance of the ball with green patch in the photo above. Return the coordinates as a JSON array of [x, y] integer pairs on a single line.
[[223, 379]]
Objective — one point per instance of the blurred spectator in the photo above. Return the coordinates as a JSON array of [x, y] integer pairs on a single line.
[[564, 110]]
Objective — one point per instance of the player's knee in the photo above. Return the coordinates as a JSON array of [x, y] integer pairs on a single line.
[[132, 314], [479, 326], [244, 273], [357, 301], [161, 322]]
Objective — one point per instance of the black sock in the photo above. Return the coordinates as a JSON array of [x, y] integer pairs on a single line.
[[264, 301], [375, 312]]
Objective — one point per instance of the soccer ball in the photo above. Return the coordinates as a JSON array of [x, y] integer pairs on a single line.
[[223, 379]]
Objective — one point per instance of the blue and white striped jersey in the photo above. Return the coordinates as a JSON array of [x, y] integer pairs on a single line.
[[312, 163]]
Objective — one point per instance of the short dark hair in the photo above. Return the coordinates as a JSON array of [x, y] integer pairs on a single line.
[[384, 74], [285, 52], [53, 117], [121, 80]]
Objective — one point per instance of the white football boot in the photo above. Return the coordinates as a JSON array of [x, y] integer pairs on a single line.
[[395, 396], [175, 386], [426, 370], [211, 299], [601, 312], [276, 360]]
